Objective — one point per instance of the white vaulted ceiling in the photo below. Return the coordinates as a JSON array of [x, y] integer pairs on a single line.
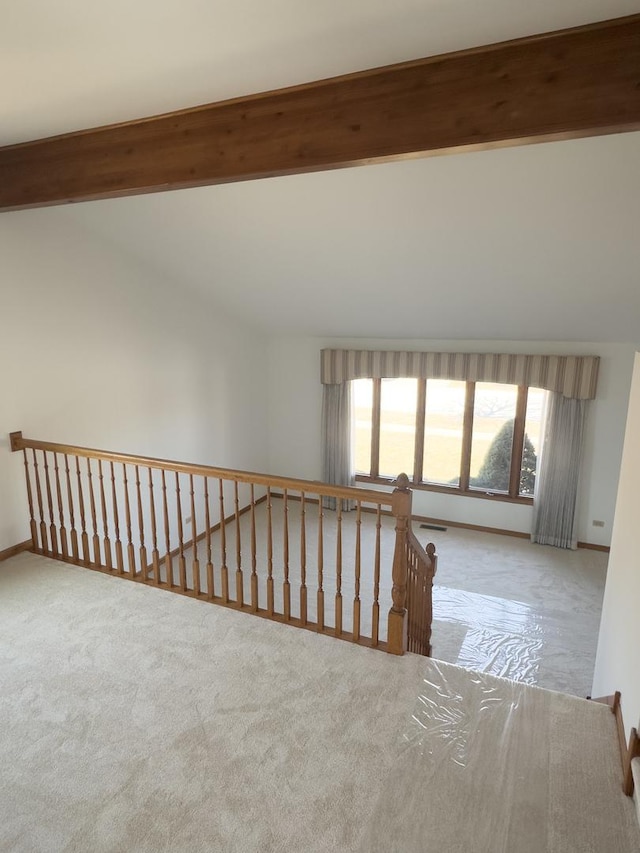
[[538, 242]]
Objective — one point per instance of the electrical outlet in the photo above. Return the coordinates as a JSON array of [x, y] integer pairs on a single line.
[[597, 523], [187, 520]]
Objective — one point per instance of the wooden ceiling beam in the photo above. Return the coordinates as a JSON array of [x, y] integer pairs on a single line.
[[572, 83]]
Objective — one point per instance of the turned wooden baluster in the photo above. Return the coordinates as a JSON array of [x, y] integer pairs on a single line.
[[182, 563], [424, 612], [286, 586], [155, 554], [431, 554], [143, 550], [254, 574], [84, 538], [32, 522], [421, 584], [94, 520], [338, 598], [52, 525], [320, 593], [397, 620], [168, 559], [420, 600], [131, 554], [356, 598], [207, 521], [116, 523], [303, 560], [43, 525], [75, 554], [105, 523], [64, 547], [270, 598], [224, 571], [420, 590], [239, 576], [375, 610], [195, 563], [412, 624]]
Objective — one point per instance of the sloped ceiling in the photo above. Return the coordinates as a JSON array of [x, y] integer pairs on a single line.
[[538, 242]]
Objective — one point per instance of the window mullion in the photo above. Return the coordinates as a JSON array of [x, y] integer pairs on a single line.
[[518, 441], [375, 427], [421, 401], [467, 429]]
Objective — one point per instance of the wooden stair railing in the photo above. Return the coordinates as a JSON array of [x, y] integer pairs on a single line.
[[414, 568], [422, 565], [293, 551]]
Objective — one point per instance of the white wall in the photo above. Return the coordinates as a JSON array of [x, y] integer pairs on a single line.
[[619, 640], [295, 400], [96, 351]]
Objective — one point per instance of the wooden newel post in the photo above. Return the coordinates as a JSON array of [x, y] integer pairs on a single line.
[[15, 441], [397, 623]]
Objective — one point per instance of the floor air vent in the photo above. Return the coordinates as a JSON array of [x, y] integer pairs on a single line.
[[434, 527]]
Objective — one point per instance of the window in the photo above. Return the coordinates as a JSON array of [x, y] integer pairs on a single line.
[[494, 413], [397, 425], [536, 404], [473, 438], [443, 432]]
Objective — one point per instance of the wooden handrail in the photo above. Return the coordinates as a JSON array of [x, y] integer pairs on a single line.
[[421, 567], [426, 555], [116, 511], [18, 442]]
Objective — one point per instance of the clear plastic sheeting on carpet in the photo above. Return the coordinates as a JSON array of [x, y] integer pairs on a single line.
[[501, 637], [487, 765]]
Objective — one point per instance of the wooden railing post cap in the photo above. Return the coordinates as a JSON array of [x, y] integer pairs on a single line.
[[15, 439], [402, 483]]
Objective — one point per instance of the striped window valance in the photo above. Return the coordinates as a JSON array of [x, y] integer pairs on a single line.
[[574, 376]]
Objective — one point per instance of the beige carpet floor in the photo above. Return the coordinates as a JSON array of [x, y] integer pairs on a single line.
[[132, 719], [501, 605]]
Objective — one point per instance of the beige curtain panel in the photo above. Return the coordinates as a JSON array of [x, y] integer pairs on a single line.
[[557, 479], [336, 441], [573, 376]]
